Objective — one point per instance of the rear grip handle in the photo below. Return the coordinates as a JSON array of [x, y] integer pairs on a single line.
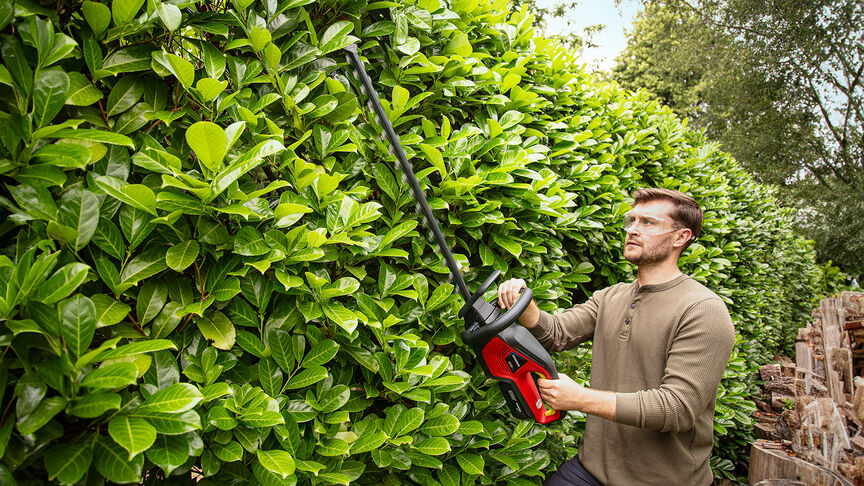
[[487, 332]]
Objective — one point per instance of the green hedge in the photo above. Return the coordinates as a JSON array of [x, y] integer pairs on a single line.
[[208, 262]]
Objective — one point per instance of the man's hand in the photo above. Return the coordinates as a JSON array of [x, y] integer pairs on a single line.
[[508, 294], [566, 394]]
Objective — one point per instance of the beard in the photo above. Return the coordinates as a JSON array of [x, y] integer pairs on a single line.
[[648, 254]]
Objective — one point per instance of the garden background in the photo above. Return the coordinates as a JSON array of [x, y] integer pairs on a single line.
[[208, 264]]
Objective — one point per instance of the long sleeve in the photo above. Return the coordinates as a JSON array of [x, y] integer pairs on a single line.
[[695, 363], [569, 328]]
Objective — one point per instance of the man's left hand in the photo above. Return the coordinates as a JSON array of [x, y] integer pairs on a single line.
[[566, 394], [561, 394]]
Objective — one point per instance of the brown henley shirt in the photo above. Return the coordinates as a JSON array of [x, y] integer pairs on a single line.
[[663, 349]]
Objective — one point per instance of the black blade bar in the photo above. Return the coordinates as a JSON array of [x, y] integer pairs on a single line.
[[407, 170]]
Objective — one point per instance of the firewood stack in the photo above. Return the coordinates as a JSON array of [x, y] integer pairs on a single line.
[[812, 424]]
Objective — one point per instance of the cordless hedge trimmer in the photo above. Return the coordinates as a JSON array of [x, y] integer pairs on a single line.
[[508, 352]]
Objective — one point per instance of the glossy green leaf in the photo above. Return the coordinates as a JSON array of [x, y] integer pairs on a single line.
[[276, 461], [124, 11], [78, 323], [433, 446], [111, 376], [134, 434], [93, 405], [209, 143], [49, 96], [179, 257], [113, 462], [62, 283], [97, 15], [169, 452], [36, 419], [306, 377], [217, 328], [174, 399], [68, 463], [79, 210]]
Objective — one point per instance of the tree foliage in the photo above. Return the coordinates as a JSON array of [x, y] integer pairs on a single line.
[[779, 84], [209, 264]]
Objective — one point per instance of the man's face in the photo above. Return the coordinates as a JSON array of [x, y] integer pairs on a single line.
[[651, 236]]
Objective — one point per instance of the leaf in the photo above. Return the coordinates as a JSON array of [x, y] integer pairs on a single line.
[[218, 329], [306, 377], [138, 347], [270, 376], [340, 315], [124, 10], [434, 446], [172, 423], [135, 195], [176, 398], [280, 348], [134, 434], [64, 155], [93, 405], [61, 284], [112, 461], [124, 95], [439, 426], [169, 452], [458, 45], [68, 462], [335, 37], [276, 461], [209, 143], [79, 209], [97, 15], [242, 165], [46, 410], [408, 421], [170, 16], [78, 324], [471, 463], [16, 60], [148, 263], [321, 353], [214, 60], [111, 377], [182, 69], [179, 257], [151, 298], [230, 452], [94, 135], [371, 439], [49, 96]]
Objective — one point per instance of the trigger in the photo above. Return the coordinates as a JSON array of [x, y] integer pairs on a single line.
[[536, 376]]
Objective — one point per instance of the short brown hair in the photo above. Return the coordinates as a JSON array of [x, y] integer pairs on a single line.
[[686, 214]]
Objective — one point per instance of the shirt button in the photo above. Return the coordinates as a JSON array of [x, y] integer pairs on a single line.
[[627, 322], [632, 306]]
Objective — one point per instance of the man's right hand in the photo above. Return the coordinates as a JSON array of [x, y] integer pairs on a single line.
[[508, 294]]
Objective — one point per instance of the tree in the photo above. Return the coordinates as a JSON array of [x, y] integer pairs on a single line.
[[779, 84]]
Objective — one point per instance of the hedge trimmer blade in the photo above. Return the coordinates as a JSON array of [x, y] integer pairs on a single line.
[[508, 352], [388, 135]]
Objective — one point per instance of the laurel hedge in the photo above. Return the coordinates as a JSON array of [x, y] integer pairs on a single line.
[[209, 268]]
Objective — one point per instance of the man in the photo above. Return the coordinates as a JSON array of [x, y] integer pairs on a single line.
[[660, 346]]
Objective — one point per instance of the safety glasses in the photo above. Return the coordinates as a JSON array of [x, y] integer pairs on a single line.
[[647, 225]]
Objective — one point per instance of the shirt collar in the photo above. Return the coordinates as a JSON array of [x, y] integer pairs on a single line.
[[661, 286]]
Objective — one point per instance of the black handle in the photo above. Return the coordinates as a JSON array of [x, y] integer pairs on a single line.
[[484, 333], [469, 304]]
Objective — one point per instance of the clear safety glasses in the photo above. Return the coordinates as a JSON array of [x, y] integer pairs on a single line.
[[647, 225]]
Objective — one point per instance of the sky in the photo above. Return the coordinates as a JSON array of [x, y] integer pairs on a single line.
[[610, 41]]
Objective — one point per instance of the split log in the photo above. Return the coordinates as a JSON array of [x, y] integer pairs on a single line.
[[767, 462]]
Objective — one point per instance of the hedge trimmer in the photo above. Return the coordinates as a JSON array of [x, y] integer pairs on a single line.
[[508, 352]]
